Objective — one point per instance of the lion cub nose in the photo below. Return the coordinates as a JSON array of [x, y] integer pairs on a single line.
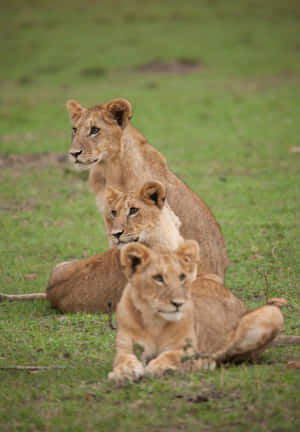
[[177, 303], [117, 234], [75, 154]]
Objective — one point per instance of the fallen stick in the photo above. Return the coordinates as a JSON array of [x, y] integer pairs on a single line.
[[110, 321], [30, 368], [17, 297]]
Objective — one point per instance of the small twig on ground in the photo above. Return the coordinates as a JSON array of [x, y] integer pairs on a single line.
[[31, 368], [273, 252], [110, 321], [267, 286]]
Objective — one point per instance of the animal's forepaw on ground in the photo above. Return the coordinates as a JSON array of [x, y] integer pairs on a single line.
[[158, 368], [131, 370], [207, 363], [195, 364]]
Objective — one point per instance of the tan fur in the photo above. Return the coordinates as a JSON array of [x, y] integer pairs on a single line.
[[91, 285], [120, 156], [176, 318]]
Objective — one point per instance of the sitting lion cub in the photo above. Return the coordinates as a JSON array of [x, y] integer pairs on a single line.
[[174, 316]]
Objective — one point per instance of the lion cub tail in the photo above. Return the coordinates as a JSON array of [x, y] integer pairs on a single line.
[[286, 340], [283, 339], [18, 297]]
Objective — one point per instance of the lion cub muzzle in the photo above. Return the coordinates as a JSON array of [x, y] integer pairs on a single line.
[[121, 241], [75, 153], [176, 311]]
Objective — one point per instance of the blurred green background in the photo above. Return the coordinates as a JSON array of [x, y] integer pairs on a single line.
[[215, 86]]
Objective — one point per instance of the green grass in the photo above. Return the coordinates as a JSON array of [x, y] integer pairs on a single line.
[[225, 129]]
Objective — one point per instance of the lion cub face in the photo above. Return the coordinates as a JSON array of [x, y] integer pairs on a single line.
[[132, 217], [160, 280], [96, 132]]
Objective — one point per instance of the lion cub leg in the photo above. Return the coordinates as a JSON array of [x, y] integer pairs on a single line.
[[255, 331], [174, 360], [126, 368], [168, 360]]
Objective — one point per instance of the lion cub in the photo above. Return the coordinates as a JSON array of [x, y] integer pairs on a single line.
[[173, 315]]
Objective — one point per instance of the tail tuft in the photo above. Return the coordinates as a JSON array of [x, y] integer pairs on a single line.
[[279, 302]]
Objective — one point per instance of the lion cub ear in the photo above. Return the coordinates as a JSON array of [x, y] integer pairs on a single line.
[[134, 258], [153, 193], [75, 110], [120, 110], [188, 253], [112, 195]]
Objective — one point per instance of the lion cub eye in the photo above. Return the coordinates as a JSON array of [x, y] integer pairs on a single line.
[[158, 278], [74, 130], [132, 211], [94, 130], [114, 213], [182, 277]]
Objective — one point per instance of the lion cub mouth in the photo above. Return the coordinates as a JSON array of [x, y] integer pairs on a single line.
[[171, 316], [121, 243], [87, 164]]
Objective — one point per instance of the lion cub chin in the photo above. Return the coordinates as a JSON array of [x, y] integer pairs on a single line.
[[156, 310], [171, 316]]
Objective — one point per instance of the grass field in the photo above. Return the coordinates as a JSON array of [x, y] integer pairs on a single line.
[[215, 86]]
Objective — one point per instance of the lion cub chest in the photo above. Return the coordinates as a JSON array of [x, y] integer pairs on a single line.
[[160, 336]]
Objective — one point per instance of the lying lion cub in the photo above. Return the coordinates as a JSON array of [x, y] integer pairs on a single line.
[[95, 284], [174, 316]]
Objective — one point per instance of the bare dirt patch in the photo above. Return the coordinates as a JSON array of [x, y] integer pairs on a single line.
[[174, 67], [204, 393], [39, 160], [265, 83], [31, 136], [96, 72], [14, 206]]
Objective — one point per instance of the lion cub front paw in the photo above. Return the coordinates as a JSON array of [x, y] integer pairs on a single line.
[[158, 368], [205, 363], [196, 364], [131, 370]]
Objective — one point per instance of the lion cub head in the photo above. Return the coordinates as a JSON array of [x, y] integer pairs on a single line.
[[160, 280], [141, 216], [96, 132]]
